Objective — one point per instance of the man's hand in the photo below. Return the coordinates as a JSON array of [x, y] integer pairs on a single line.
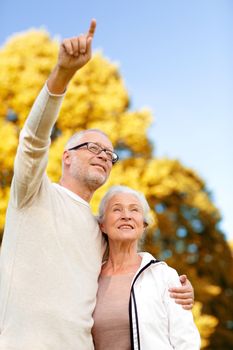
[[74, 53], [183, 295]]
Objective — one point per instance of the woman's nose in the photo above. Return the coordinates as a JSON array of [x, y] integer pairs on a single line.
[[126, 214]]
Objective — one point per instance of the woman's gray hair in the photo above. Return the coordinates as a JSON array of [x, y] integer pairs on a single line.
[[124, 189]]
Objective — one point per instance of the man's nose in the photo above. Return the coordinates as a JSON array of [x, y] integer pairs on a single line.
[[103, 155]]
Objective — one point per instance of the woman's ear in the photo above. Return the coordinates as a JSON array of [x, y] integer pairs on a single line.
[[101, 225], [102, 228]]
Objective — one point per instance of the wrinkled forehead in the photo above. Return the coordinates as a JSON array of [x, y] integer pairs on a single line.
[[124, 199], [97, 137]]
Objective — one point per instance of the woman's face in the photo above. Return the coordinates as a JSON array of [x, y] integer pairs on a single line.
[[123, 218]]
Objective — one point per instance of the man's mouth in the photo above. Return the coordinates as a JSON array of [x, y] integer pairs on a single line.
[[100, 166]]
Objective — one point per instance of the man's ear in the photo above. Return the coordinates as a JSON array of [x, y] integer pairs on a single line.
[[66, 158]]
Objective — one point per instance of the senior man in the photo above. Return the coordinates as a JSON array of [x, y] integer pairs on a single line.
[[52, 247]]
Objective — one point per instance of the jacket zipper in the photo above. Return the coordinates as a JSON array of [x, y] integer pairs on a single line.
[[133, 305]]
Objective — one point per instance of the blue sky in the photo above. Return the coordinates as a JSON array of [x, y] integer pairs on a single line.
[[176, 57]]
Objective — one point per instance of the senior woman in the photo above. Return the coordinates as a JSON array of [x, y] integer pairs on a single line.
[[134, 309]]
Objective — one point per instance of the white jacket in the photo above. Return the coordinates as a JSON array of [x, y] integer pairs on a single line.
[[156, 321]]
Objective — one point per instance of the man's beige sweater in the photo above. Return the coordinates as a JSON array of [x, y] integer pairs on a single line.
[[51, 252]]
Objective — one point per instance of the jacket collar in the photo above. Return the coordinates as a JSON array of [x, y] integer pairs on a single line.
[[146, 258]]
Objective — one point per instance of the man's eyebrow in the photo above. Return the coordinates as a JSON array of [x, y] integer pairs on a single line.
[[99, 144]]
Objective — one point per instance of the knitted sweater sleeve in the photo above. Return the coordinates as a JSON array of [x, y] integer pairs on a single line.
[[32, 153]]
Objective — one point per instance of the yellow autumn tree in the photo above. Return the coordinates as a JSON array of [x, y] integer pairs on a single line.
[[185, 230], [231, 245], [206, 324]]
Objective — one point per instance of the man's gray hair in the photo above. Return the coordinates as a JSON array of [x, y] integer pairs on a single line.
[[124, 189], [73, 141]]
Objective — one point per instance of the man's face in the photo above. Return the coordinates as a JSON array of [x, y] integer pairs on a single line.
[[88, 168]]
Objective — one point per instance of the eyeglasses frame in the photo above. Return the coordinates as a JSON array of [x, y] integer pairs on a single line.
[[101, 150]]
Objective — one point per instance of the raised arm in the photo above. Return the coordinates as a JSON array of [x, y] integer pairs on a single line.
[[32, 154], [74, 53]]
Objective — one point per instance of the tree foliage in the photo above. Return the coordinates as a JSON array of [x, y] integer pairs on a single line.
[[185, 230]]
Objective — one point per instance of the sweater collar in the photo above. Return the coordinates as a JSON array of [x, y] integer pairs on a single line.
[[71, 194]]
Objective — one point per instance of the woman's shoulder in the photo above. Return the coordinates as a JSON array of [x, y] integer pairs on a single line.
[[160, 268]]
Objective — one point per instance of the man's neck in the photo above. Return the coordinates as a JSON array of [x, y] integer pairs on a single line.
[[78, 189]]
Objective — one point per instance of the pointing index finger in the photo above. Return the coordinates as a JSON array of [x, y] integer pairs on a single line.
[[92, 27]]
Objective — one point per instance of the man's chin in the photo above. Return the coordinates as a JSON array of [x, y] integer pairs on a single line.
[[97, 180]]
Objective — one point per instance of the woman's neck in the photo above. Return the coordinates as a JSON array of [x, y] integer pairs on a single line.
[[121, 260]]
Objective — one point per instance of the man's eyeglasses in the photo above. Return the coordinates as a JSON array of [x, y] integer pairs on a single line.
[[96, 149]]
